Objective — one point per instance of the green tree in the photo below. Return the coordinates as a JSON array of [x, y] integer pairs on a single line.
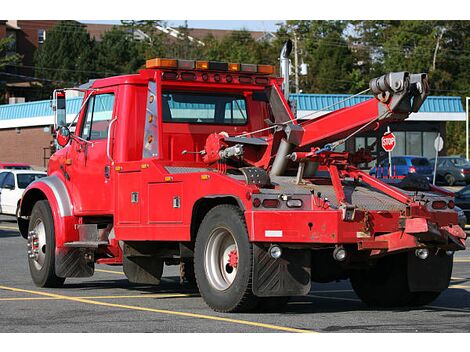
[[323, 47], [118, 53], [67, 56], [7, 58]]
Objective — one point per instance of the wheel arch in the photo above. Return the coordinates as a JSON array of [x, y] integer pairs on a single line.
[[52, 189], [202, 206]]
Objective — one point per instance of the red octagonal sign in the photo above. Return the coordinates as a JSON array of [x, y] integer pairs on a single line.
[[388, 141]]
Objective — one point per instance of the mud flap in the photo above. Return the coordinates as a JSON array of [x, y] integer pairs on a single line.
[[431, 274], [140, 264], [287, 276], [143, 270], [72, 262]]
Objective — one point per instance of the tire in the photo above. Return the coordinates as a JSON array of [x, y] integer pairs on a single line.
[[41, 245], [272, 304], [424, 298], [385, 285], [450, 179], [223, 235]]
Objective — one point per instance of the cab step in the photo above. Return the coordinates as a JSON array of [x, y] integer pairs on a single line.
[[87, 237], [86, 244]]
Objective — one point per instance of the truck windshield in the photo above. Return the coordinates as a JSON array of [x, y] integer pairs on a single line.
[[204, 108]]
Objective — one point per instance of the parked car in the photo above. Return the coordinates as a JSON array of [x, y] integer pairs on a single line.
[[462, 200], [404, 165], [14, 166], [452, 169], [12, 186]]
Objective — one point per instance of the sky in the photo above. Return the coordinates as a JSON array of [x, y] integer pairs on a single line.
[[269, 26]]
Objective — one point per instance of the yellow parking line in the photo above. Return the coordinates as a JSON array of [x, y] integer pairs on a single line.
[[459, 286], [158, 295], [461, 260], [8, 228], [110, 271], [161, 311]]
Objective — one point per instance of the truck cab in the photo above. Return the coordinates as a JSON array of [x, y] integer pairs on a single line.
[[204, 165]]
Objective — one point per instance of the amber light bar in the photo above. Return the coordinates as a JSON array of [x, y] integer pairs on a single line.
[[210, 66]]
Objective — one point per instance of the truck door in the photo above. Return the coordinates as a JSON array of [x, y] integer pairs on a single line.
[[9, 194], [89, 168]]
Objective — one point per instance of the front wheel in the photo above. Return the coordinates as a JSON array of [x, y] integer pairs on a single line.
[[223, 261], [41, 246], [450, 179]]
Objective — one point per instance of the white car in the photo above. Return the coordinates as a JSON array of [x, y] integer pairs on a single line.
[[12, 185]]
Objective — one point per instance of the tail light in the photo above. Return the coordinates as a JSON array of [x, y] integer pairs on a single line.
[[271, 203], [466, 171], [439, 204], [294, 203], [412, 170]]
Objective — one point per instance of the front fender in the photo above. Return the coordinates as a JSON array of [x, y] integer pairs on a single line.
[[52, 189]]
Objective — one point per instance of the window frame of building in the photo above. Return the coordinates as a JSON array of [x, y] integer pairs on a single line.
[[41, 36]]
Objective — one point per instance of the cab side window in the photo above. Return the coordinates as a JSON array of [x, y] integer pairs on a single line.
[[2, 178], [9, 181], [98, 115]]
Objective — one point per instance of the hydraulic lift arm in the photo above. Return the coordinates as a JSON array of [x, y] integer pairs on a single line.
[[397, 94]]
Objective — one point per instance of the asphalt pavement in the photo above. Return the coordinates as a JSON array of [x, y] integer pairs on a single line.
[[107, 302]]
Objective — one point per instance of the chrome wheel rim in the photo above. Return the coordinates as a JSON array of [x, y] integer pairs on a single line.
[[221, 259], [37, 244]]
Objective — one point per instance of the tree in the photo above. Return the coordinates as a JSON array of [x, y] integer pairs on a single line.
[[323, 47], [67, 56], [118, 53], [7, 58]]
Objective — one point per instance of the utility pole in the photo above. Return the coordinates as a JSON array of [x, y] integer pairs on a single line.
[[296, 64], [466, 128], [433, 68]]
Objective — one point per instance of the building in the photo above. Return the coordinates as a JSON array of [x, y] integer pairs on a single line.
[[25, 129]]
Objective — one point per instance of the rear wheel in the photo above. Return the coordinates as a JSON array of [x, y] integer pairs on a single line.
[[450, 179], [386, 284], [223, 261], [41, 246]]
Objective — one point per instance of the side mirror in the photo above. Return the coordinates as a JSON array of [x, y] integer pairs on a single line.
[[63, 136], [60, 113]]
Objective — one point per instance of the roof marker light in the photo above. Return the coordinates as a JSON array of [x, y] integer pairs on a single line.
[[186, 64], [202, 65], [266, 69], [249, 68], [161, 63], [234, 67]]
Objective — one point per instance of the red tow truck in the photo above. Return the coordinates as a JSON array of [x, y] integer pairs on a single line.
[[204, 165]]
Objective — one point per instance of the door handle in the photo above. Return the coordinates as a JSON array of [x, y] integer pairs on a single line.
[[108, 143]]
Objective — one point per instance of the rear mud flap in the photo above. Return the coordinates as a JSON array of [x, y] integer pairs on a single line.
[[431, 274], [287, 276], [72, 262]]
